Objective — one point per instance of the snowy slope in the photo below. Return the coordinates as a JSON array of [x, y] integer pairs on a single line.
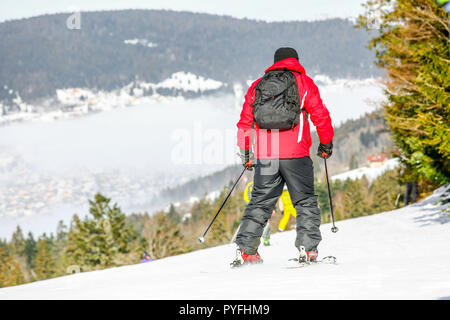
[[371, 173], [398, 254]]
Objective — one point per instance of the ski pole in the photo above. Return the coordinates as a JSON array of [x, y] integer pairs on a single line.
[[202, 238], [334, 229]]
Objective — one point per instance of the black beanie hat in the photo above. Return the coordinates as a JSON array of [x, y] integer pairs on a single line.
[[284, 53]]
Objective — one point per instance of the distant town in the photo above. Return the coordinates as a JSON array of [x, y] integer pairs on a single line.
[[76, 102], [24, 192]]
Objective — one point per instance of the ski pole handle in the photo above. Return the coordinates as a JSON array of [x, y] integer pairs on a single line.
[[249, 164]]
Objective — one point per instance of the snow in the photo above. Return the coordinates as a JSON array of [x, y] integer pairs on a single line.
[[213, 195], [188, 81], [193, 200], [371, 172], [402, 254], [142, 42]]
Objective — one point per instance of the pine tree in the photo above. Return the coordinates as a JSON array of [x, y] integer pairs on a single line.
[[59, 248], [30, 250], [201, 210], [355, 198], [321, 190], [218, 232], [103, 239], [18, 242], [412, 46], [173, 214], [10, 271], [383, 192], [76, 243], [4, 245], [221, 230], [61, 233], [353, 162], [164, 237], [45, 267], [338, 206]]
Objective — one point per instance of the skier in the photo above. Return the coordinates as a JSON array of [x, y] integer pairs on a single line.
[[277, 107], [287, 208], [408, 176], [147, 257], [410, 192]]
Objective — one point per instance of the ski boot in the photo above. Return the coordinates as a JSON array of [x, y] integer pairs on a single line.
[[242, 259], [267, 242], [307, 256]]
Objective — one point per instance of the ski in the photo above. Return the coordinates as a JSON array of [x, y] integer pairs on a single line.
[[239, 264], [325, 260], [236, 264], [244, 259]]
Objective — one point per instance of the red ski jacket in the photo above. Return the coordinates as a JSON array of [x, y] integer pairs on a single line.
[[295, 142]]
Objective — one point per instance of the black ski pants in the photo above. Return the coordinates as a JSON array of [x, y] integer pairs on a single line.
[[269, 179]]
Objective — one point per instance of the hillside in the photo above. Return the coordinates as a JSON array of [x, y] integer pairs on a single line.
[[113, 48], [360, 138], [400, 254]]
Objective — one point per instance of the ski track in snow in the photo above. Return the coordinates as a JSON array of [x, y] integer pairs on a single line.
[[401, 254]]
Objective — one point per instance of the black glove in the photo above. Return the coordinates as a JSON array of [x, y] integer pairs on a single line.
[[325, 150], [247, 159]]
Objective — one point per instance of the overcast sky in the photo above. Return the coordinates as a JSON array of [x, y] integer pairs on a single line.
[[269, 10]]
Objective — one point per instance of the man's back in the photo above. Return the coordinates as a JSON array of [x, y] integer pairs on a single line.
[[291, 143]]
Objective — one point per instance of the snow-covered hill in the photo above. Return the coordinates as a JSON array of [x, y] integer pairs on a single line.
[[371, 173], [402, 254]]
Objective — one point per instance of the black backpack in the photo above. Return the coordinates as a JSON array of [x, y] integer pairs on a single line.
[[277, 104]]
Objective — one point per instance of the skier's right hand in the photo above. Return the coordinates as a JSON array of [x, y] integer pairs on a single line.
[[325, 150], [247, 159]]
